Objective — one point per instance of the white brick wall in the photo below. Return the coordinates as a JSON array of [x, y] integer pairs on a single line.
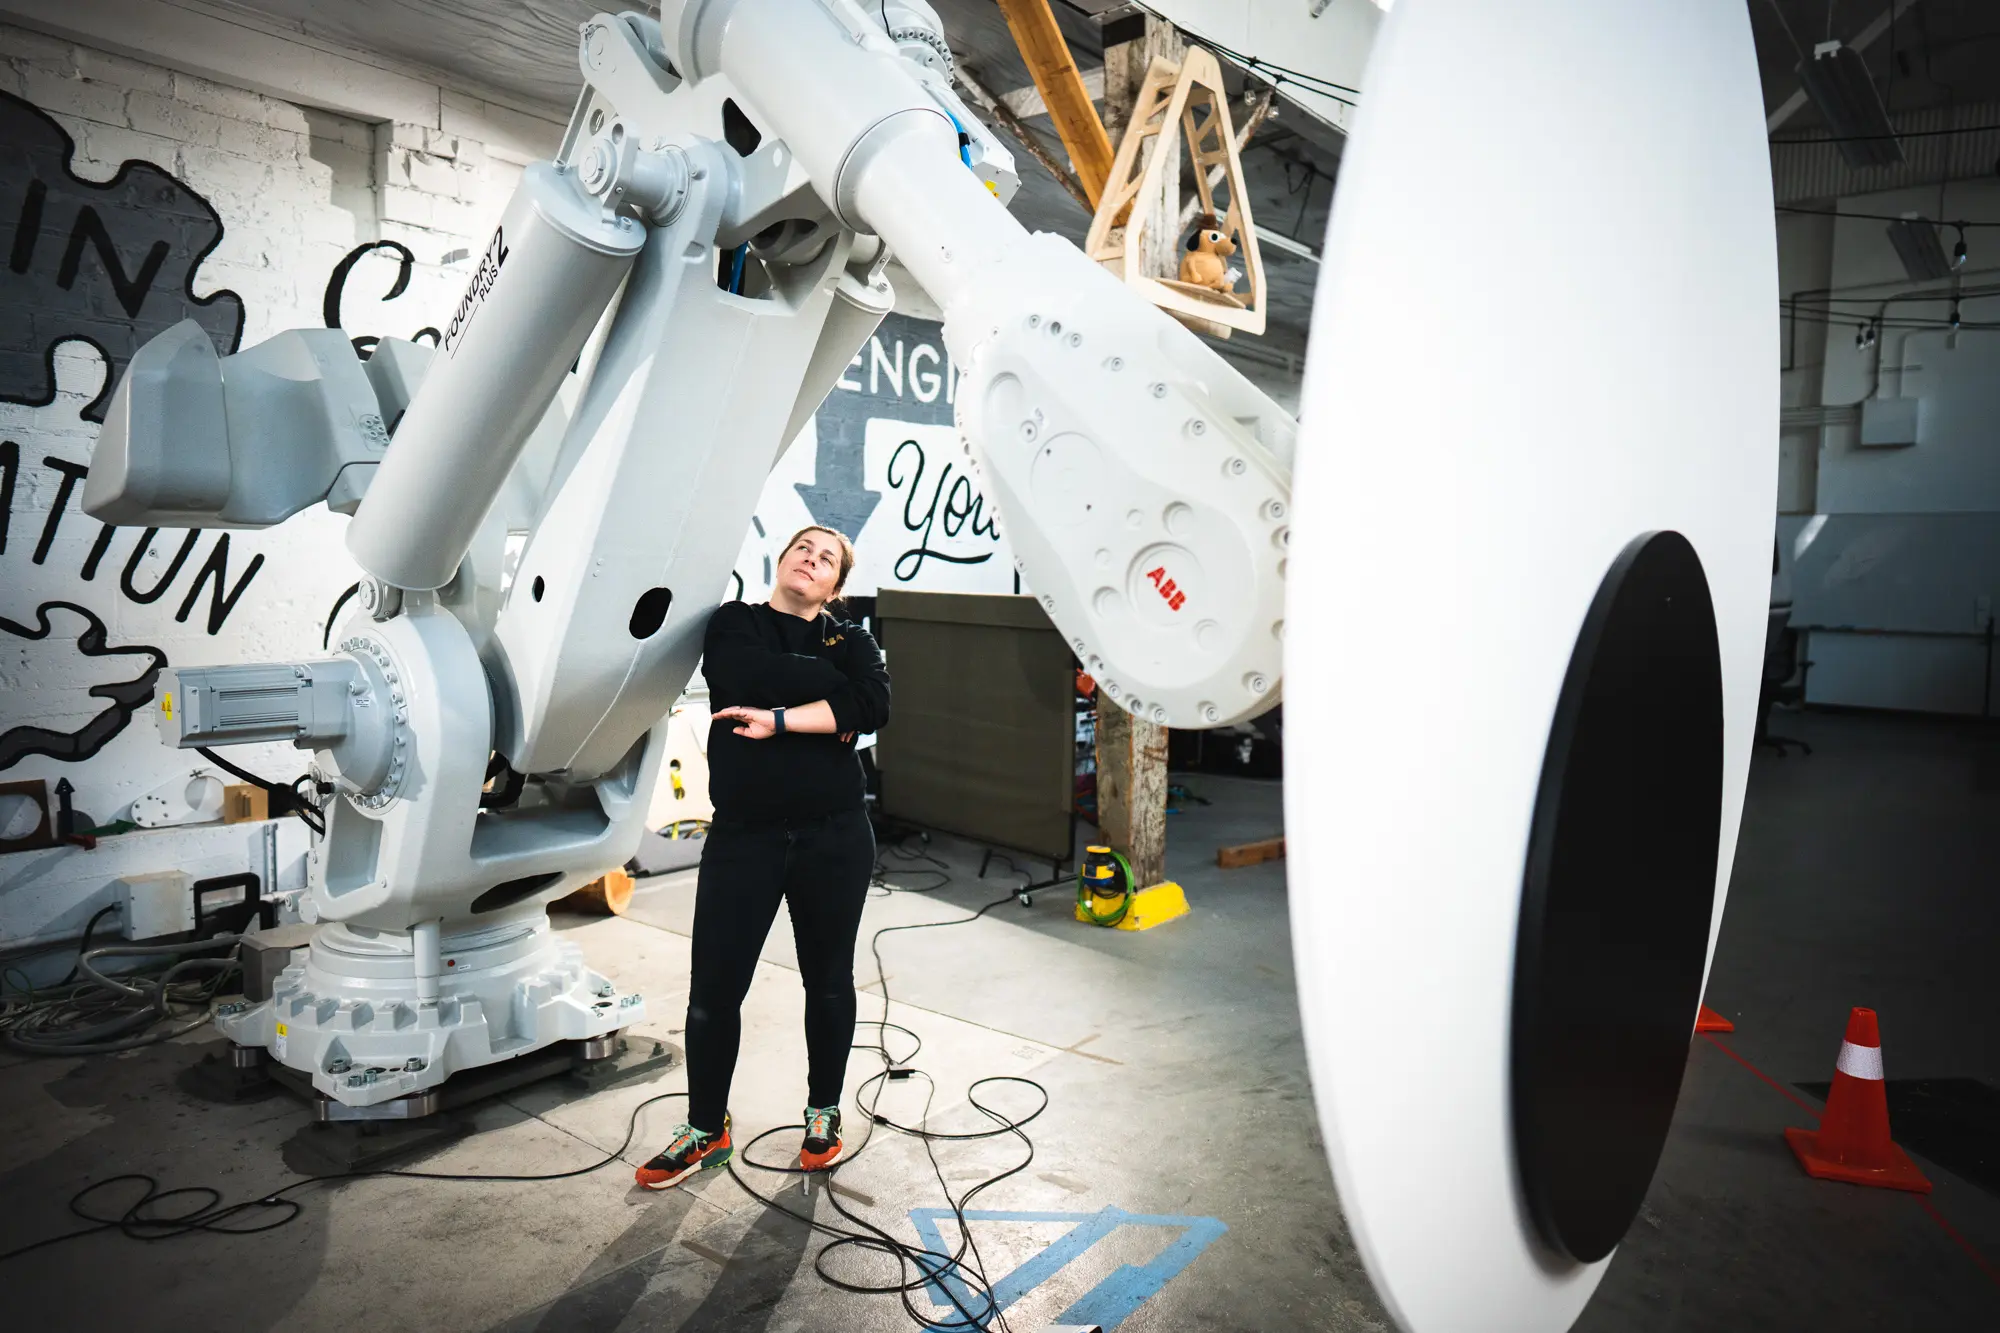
[[296, 190]]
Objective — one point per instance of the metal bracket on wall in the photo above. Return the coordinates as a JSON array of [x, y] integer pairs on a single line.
[[26, 824]]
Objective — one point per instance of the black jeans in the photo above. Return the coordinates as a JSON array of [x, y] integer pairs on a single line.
[[821, 869]]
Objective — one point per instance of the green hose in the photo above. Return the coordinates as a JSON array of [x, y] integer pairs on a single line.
[[1084, 896]]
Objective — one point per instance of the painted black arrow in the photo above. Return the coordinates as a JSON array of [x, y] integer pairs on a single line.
[[838, 496]]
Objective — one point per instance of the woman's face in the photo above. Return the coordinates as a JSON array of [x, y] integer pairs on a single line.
[[811, 568]]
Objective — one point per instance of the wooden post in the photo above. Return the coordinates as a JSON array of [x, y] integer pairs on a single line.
[[1132, 789], [1132, 752], [1162, 257], [1054, 71]]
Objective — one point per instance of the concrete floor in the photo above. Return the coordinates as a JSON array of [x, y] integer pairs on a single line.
[[1177, 1094], [1866, 875]]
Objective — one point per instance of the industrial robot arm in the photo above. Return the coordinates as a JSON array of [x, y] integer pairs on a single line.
[[706, 252], [1145, 483]]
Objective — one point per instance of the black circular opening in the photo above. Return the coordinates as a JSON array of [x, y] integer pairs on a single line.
[[536, 588], [1617, 896], [650, 612]]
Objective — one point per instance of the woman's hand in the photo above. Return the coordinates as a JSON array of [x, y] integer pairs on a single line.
[[756, 723]]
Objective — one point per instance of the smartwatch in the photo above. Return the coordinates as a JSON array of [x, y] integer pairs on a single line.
[[778, 721]]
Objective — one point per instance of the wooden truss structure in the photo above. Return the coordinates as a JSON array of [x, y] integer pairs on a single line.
[[1188, 97]]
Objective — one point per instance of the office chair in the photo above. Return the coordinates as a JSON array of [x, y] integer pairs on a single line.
[[1782, 663]]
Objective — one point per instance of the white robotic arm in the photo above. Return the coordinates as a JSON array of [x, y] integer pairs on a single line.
[[729, 190], [1146, 484]]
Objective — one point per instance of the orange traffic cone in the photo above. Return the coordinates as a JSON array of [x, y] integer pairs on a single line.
[[1852, 1143], [1710, 1021]]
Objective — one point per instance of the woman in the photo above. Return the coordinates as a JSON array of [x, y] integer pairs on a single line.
[[793, 687]]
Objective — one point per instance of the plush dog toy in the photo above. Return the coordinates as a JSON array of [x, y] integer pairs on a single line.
[[1203, 265]]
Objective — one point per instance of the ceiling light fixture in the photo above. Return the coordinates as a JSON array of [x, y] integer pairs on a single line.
[[1917, 245], [1844, 92]]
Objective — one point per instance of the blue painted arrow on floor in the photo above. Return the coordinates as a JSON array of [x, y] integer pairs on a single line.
[[1110, 1301]]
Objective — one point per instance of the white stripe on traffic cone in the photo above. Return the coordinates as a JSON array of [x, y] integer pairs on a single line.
[[1860, 1061]]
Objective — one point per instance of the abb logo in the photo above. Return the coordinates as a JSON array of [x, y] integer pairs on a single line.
[[1175, 598]]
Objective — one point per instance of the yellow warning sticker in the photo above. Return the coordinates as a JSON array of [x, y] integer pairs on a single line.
[[167, 706], [278, 1046]]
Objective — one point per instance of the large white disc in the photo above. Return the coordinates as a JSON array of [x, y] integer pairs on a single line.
[[1546, 331]]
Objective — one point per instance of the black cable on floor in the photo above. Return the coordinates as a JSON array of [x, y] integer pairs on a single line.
[[141, 1220], [931, 1266], [924, 864], [90, 1013], [89, 929]]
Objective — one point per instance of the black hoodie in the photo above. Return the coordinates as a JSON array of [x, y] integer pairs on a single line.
[[760, 657]]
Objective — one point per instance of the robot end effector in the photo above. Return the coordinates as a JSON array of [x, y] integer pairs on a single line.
[[193, 439]]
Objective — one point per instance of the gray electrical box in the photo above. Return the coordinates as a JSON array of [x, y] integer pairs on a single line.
[[266, 954], [156, 904], [1889, 423]]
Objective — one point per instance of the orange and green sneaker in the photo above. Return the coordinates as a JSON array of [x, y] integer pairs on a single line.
[[691, 1150], [821, 1148]]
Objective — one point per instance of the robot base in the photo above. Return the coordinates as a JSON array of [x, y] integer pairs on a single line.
[[345, 1139], [346, 1019]]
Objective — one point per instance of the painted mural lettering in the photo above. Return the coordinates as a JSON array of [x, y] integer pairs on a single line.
[[931, 379], [872, 435], [153, 594], [72, 473], [336, 290], [89, 230], [10, 468], [955, 509], [138, 586], [214, 576], [81, 254], [122, 698], [903, 378], [929, 374]]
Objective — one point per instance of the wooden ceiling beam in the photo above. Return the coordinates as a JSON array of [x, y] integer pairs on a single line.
[[997, 108], [1054, 71]]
